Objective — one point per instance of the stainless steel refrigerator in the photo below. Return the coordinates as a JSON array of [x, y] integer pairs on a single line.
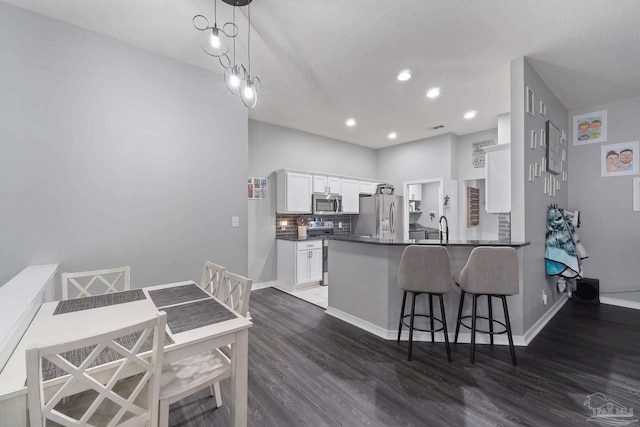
[[380, 217]]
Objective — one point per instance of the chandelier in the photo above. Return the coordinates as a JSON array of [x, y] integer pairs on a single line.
[[217, 41]]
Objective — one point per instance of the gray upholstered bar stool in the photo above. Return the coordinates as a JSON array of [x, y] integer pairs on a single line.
[[424, 270], [490, 271]]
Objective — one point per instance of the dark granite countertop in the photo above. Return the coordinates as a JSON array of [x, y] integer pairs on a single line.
[[299, 239], [403, 242]]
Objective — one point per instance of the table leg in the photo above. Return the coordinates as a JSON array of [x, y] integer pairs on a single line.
[[239, 378]]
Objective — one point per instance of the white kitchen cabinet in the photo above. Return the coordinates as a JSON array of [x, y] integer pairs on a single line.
[[350, 196], [326, 184], [294, 192], [299, 263], [415, 192], [498, 178], [368, 187]]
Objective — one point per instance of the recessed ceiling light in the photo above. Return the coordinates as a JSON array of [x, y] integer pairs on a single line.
[[433, 92], [351, 122], [393, 135], [404, 75], [470, 114]]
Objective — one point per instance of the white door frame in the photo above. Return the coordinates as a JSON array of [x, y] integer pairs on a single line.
[[406, 199]]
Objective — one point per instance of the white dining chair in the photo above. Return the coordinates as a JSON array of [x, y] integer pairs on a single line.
[[212, 277], [97, 282], [187, 376], [105, 379]]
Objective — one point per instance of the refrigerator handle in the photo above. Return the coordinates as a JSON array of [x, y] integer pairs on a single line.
[[392, 218]]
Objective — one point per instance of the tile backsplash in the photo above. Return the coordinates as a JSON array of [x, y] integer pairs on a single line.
[[291, 229]]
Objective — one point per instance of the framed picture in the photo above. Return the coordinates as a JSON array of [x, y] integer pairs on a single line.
[[533, 139], [589, 128], [619, 159], [554, 151], [636, 194], [543, 109], [257, 188], [531, 109]]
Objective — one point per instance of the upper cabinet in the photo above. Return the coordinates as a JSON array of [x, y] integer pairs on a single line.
[[350, 196], [294, 192], [368, 187], [498, 178], [326, 184], [415, 192]]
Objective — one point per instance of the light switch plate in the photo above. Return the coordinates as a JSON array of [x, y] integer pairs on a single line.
[[235, 221]]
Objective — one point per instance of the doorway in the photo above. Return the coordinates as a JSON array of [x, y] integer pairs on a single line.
[[423, 206]]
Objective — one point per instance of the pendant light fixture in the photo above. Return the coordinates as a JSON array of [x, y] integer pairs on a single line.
[[215, 41], [234, 74], [249, 89]]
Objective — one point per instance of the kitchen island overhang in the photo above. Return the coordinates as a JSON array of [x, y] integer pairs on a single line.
[[364, 289]]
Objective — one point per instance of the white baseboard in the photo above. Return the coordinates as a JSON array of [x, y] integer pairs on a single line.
[[262, 285], [362, 324], [620, 303], [542, 322], [463, 337]]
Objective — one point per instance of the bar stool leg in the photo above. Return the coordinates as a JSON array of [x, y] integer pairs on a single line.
[[444, 326], [490, 319], [413, 309], [455, 340], [508, 323], [431, 317], [404, 300], [473, 327]]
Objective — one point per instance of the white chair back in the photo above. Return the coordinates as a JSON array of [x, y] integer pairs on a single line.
[[113, 377], [235, 291], [97, 282], [212, 278]]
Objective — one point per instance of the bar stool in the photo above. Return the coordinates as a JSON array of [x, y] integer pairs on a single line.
[[424, 270], [490, 271]]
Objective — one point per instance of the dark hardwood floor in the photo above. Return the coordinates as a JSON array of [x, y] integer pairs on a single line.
[[307, 368]]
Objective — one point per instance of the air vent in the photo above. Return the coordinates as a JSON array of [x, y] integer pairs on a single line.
[[436, 127]]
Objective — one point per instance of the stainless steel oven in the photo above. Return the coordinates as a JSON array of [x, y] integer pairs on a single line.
[[326, 203], [319, 227]]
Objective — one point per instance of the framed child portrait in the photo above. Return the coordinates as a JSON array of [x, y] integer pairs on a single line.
[[589, 128], [619, 159]]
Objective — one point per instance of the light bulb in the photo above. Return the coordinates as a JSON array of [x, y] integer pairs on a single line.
[[215, 38], [470, 114], [393, 135], [351, 122], [233, 79], [248, 92], [214, 42]]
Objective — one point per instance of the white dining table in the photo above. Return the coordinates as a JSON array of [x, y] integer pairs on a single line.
[[196, 322]]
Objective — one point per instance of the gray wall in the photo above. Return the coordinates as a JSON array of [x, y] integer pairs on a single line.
[[113, 156], [610, 228], [273, 147], [529, 203]]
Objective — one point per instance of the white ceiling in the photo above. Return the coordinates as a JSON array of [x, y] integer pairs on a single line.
[[323, 61]]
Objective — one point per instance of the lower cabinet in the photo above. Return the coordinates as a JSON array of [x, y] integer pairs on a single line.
[[299, 263]]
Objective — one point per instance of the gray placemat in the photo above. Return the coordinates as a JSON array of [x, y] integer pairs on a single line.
[[76, 357], [177, 295], [196, 314], [78, 304]]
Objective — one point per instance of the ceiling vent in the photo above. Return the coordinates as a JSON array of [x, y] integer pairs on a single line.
[[436, 127]]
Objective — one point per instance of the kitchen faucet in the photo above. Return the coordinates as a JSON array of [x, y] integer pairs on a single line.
[[444, 232]]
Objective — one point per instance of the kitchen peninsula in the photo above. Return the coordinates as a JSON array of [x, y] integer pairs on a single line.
[[364, 291]]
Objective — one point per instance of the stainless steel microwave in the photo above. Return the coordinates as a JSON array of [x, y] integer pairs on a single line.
[[326, 203]]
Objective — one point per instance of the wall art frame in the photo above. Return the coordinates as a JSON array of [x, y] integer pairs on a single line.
[[554, 150], [590, 128]]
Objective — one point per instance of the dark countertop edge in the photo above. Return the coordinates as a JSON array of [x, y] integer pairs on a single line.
[[390, 242], [435, 242]]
